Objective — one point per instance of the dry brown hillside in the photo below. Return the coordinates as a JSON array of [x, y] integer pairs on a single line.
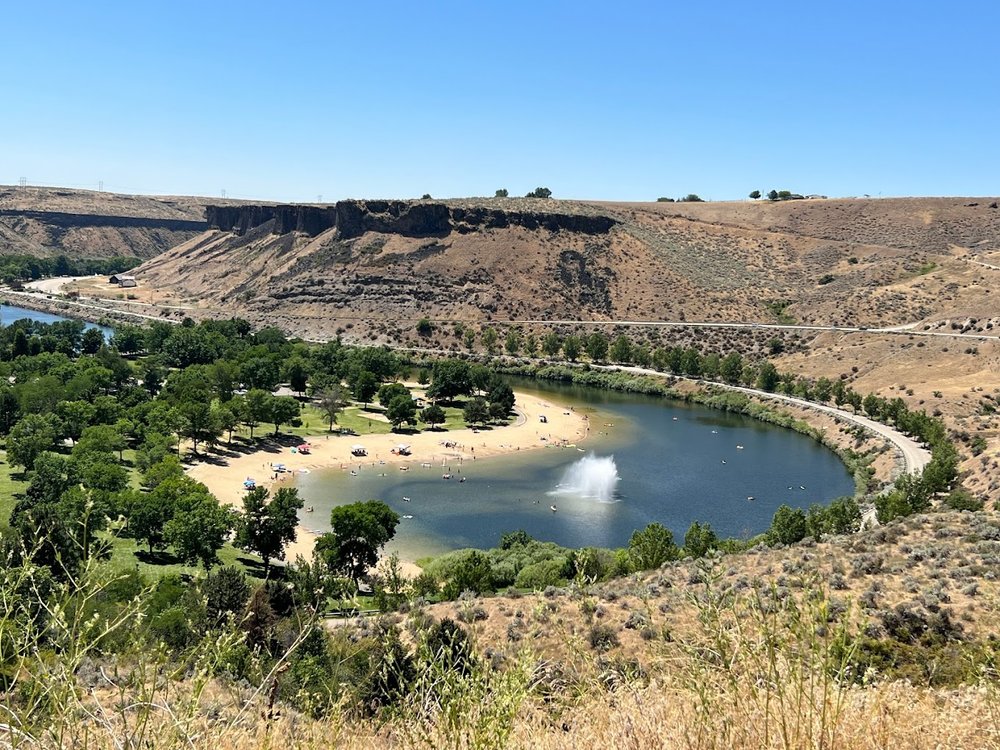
[[87, 224], [834, 262]]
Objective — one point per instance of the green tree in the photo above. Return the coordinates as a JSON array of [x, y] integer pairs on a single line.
[[331, 403], [731, 367], [489, 338], [260, 372], [226, 593], [502, 396], [10, 409], [551, 344], [168, 467], [530, 345], [621, 350], [772, 195], [401, 410], [389, 391], [512, 342], [476, 411], [469, 571], [198, 528], [282, 410], [424, 327], [128, 339], [540, 192], [597, 346], [256, 408], [788, 526], [358, 533], [267, 527], [227, 419], [450, 378], [767, 377], [29, 438], [433, 415], [364, 386], [699, 540], [755, 194], [75, 416], [571, 347], [691, 362], [199, 423], [93, 339], [297, 374], [51, 477], [650, 547], [147, 518], [501, 193]]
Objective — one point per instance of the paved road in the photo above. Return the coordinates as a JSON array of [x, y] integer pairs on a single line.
[[53, 286], [915, 456]]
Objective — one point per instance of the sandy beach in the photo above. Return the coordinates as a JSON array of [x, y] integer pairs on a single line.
[[563, 426]]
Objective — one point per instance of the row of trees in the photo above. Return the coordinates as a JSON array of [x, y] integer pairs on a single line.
[[776, 195], [523, 562], [14, 268]]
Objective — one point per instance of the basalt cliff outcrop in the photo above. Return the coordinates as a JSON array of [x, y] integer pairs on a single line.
[[353, 218]]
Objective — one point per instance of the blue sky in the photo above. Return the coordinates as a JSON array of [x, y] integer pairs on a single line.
[[617, 101]]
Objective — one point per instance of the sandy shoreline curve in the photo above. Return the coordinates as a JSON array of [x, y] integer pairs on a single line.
[[224, 478]]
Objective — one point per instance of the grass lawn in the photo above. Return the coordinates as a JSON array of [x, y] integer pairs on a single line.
[[9, 486], [127, 553]]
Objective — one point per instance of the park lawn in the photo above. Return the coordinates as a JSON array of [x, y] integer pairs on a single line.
[[9, 486], [134, 475], [128, 554], [353, 419]]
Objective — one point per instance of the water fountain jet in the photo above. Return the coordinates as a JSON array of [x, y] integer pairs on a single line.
[[592, 477]]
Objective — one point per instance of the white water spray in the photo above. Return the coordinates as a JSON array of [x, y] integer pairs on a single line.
[[594, 477]]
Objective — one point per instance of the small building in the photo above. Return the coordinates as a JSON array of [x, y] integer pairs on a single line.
[[123, 280]]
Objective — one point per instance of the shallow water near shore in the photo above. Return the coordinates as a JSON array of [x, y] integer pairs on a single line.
[[677, 464], [10, 313]]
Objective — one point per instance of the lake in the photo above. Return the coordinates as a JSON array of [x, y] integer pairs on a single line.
[[10, 313], [677, 463]]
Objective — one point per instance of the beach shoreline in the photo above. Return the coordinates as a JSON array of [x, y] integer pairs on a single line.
[[563, 426]]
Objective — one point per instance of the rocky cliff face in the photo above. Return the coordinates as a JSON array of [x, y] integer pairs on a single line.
[[353, 218]]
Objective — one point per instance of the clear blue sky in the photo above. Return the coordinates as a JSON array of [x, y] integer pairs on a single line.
[[615, 100]]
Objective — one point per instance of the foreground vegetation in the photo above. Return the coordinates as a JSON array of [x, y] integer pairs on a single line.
[[208, 643]]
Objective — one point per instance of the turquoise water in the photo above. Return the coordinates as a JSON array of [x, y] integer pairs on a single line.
[[10, 313], [677, 464]]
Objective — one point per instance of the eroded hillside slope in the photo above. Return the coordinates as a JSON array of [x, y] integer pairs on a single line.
[[372, 265], [45, 222]]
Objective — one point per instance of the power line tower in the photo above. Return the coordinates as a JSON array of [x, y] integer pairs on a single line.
[[100, 186], [223, 192], [23, 182]]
